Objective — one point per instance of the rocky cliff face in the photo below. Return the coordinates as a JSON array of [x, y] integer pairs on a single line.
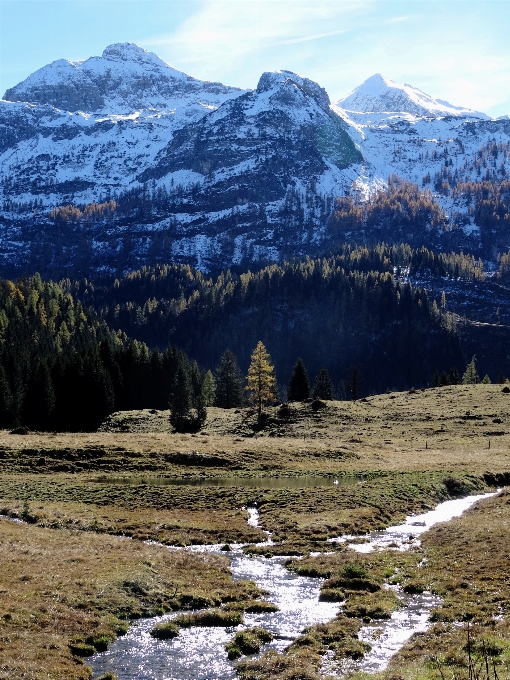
[[208, 174]]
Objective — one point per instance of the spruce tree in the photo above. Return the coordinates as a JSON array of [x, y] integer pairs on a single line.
[[323, 386], [39, 401], [201, 411], [181, 399], [261, 378], [453, 376], [6, 400], [209, 389], [299, 384], [229, 382], [196, 380]]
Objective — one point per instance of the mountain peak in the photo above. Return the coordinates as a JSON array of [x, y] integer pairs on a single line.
[[133, 53], [276, 79], [125, 78], [379, 94]]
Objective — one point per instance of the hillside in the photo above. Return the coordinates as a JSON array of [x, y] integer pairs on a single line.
[[210, 175]]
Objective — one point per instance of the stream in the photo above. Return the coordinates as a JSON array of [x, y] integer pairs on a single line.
[[198, 653]]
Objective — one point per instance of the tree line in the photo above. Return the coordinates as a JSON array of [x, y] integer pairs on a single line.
[[354, 312]]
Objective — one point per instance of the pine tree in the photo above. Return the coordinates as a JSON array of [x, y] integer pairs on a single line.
[[323, 386], [299, 383], [229, 382], [486, 380], [471, 376], [261, 378], [209, 389], [6, 401], [453, 376], [39, 401], [181, 399]]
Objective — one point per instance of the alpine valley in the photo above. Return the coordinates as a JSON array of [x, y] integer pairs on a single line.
[[121, 161]]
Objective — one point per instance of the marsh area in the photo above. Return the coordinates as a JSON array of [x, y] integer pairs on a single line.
[[119, 546]]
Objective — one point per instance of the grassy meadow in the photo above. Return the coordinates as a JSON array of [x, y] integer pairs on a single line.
[[71, 579]]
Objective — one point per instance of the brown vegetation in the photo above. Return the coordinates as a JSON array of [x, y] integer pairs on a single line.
[[64, 594]]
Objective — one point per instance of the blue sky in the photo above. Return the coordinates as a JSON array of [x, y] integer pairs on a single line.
[[456, 50]]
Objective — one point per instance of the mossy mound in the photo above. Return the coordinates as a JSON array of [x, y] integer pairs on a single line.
[[247, 642]]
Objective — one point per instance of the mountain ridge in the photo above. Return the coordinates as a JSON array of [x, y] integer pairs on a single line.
[[217, 174]]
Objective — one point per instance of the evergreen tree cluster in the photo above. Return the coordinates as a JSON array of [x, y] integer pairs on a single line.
[[402, 212], [63, 369], [354, 308]]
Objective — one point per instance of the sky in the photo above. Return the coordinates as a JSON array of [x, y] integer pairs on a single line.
[[457, 50]]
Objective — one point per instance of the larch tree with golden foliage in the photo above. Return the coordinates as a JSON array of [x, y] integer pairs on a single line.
[[261, 378]]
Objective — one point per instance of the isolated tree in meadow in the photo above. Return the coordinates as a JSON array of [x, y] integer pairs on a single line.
[[323, 386], [299, 383], [261, 378], [471, 376], [229, 382], [187, 410]]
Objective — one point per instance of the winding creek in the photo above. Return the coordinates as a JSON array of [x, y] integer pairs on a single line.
[[198, 653]]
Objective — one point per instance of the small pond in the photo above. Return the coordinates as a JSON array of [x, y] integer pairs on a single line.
[[303, 482]]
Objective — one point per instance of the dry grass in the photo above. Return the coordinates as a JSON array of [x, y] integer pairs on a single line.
[[412, 431], [60, 587], [467, 563]]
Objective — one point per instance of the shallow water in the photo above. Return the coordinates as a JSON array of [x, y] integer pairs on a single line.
[[404, 536], [199, 654], [304, 482], [387, 637]]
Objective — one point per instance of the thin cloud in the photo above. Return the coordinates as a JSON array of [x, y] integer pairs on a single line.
[[397, 20], [306, 38]]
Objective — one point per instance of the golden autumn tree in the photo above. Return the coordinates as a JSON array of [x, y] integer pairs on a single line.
[[261, 378]]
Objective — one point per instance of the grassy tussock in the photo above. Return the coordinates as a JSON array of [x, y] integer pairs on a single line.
[[246, 642], [170, 527]]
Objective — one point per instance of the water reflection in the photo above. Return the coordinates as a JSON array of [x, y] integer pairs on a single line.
[[303, 482]]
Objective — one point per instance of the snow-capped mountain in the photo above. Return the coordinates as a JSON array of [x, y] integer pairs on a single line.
[[124, 80], [209, 174], [381, 95]]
